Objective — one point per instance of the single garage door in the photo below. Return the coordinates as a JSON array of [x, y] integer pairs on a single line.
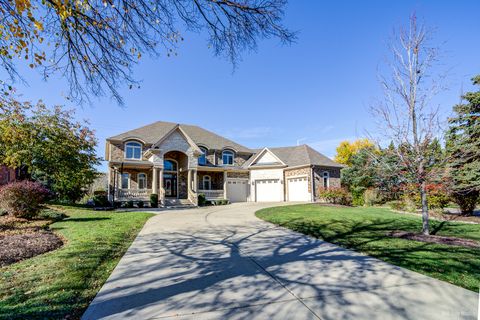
[[298, 189], [237, 190], [268, 190]]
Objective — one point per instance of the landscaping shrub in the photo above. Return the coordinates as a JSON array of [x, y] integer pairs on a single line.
[[23, 199], [397, 205], [357, 197], [336, 196], [100, 193], [201, 199], [371, 197], [129, 204], [437, 197], [140, 204], [50, 214], [154, 200], [466, 201], [101, 201]]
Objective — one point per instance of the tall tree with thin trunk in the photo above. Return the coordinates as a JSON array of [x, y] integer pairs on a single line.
[[406, 115]]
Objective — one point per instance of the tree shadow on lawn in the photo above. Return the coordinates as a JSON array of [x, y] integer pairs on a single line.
[[447, 262], [242, 273]]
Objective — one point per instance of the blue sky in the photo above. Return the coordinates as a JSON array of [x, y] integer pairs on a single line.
[[316, 91]]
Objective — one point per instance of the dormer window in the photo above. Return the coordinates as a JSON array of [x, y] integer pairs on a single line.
[[227, 157], [133, 150], [202, 160]]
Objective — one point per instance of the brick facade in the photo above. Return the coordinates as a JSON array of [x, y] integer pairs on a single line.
[[216, 179], [238, 175], [6, 175], [306, 171], [334, 177]]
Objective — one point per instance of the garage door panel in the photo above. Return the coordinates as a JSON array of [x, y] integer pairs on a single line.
[[269, 190], [237, 190], [298, 189]]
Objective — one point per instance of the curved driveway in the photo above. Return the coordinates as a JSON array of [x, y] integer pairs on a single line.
[[224, 263]]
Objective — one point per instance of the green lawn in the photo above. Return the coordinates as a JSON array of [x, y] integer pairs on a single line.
[[60, 284], [364, 230]]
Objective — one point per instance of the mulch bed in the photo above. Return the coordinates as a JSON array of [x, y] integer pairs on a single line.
[[21, 239], [18, 247], [452, 241]]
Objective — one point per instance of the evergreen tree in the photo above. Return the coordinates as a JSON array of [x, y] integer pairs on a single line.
[[463, 146]]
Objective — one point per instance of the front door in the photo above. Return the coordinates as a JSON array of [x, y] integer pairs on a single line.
[[170, 185]]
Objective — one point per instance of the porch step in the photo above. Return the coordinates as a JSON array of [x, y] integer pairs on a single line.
[[178, 203]]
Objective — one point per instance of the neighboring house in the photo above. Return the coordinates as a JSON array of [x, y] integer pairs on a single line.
[[178, 161], [7, 175]]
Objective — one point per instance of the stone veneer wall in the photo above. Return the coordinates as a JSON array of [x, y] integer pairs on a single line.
[[216, 179], [238, 175], [334, 177], [117, 150], [133, 178]]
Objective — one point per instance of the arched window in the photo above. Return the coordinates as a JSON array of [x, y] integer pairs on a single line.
[[207, 183], [125, 181], [227, 157], [326, 178], [169, 165], [142, 181], [202, 160], [133, 150]]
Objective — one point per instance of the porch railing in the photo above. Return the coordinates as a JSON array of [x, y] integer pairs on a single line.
[[212, 194], [133, 194]]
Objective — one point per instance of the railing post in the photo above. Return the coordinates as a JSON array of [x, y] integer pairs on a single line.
[[224, 184]]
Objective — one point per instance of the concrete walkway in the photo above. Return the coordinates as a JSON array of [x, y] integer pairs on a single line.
[[224, 263]]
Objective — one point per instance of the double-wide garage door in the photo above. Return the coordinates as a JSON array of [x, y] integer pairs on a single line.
[[268, 190], [237, 190], [298, 189]]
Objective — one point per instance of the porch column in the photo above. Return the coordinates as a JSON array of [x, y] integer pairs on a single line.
[[189, 180], [161, 195], [155, 181], [195, 183], [224, 184]]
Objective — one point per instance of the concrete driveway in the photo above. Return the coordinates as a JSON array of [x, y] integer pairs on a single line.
[[224, 263]]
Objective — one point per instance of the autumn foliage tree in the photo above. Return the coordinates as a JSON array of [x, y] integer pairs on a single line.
[[54, 148], [346, 150], [95, 43]]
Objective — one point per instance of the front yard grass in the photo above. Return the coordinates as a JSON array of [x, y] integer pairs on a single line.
[[60, 284], [365, 230]]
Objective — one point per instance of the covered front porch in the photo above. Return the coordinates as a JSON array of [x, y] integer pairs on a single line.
[[175, 179]]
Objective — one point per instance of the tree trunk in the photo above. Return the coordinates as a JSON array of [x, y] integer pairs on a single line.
[[423, 196]]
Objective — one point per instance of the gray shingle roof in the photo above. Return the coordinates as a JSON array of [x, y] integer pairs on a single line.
[[303, 155], [152, 133]]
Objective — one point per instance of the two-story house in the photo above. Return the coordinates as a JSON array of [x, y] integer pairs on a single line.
[[178, 162]]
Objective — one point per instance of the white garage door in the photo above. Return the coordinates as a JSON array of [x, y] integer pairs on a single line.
[[268, 190], [298, 189], [237, 190]]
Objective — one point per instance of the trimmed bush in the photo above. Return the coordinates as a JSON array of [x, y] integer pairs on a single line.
[[101, 201], [154, 200], [23, 199], [467, 201], [50, 214], [140, 204], [129, 204], [100, 193], [201, 199], [336, 196]]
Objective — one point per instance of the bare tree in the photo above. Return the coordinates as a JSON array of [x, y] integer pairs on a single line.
[[95, 43], [406, 115]]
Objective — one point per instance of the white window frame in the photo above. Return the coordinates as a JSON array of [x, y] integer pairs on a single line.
[[326, 175], [208, 179], [203, 156], [138, 180], [138, 145], [232, 153], [128, 181]]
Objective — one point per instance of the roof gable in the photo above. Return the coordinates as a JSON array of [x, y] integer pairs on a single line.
[[266, 158]]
